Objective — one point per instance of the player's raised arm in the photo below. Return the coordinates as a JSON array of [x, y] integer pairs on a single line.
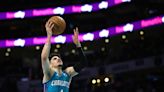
[[46, 49], [83, 61]]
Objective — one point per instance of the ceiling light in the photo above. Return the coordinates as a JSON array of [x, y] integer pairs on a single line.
[[98, 80], [93, 81], [58, 46], [123, 36], [8, 50], [37, 47], [85, 48], [6, 54], [106, 79], [141, 33], [73, 51], [102, 49], [55, 50], [106, 40]]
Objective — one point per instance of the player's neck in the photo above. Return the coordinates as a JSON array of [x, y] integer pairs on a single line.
[[58, 70]]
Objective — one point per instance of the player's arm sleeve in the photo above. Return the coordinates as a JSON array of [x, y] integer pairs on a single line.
[[83, 60], [73, 70]]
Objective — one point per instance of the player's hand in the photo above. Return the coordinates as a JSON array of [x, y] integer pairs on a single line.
[[49, 25], [75, 37]]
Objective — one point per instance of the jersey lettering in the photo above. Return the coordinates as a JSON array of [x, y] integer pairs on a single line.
[[60, 83]]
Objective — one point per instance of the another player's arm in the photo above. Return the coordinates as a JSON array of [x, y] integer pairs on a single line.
[[46, 49], [73, 70]]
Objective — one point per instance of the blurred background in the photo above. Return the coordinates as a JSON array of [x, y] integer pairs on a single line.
[[129, 59]]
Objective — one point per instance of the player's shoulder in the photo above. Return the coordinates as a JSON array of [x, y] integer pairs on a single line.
[[70, 70], [66, 71]]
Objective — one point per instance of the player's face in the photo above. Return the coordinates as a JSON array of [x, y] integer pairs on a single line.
[[56, 61]]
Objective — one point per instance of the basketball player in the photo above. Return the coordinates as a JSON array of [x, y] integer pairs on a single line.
[[55, 79]]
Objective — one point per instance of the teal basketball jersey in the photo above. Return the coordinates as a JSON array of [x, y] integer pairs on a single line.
[[58, 83]]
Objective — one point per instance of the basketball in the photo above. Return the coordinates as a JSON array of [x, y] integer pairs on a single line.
[[59, 24]]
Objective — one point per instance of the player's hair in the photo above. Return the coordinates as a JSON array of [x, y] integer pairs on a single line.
[[54, 54]]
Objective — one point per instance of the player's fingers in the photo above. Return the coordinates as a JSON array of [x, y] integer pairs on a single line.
[[52, 25], [74, 30], [46, 24], [77, 30]]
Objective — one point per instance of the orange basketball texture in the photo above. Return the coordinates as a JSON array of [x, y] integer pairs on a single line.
[[59, 24]]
